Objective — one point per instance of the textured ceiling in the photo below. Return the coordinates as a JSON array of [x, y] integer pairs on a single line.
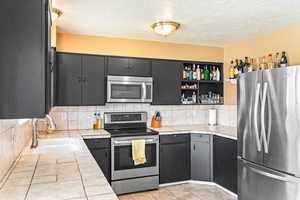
[[206, 22]]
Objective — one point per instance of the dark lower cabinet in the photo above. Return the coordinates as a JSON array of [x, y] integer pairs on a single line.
[[23, 58], [225, 162], [166, 82], [100, 149], [174, 158], [80, 80]]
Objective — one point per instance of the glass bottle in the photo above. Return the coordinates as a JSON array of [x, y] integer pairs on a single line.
[[194, 73], [236, 68], [194, 97], [283, 60], [246, 65], [231, 70], [198, 73], [277, 60], [190, 73], [206, 74], [270, 62]]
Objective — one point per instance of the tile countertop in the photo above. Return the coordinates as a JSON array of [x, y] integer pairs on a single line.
[[61, 168], [224, 131]]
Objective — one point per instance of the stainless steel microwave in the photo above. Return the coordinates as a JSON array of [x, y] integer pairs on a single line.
[[129, 89]]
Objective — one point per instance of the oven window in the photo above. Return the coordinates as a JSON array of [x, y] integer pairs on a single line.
[[120, 91], [123, 157]]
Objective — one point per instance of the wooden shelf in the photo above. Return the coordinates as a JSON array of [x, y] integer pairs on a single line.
[[189, 88], [215, 82]]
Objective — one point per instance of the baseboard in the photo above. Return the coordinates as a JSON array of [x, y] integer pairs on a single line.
[[200, 182]]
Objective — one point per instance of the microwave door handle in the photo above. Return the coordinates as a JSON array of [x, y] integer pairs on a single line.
[[144, 92]]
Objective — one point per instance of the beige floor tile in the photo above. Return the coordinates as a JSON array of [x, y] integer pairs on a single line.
[[56, 191], [44, 179], [93, 190], [182, 192], [103, 197], [13, 193]]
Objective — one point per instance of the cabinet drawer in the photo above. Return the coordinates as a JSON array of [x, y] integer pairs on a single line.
[[98, 143], [175, 138], [201, 137]]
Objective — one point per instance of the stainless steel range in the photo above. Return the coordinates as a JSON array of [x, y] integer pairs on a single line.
[[125, 176]]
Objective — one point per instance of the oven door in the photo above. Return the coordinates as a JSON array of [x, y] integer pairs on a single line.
[[122, 165]]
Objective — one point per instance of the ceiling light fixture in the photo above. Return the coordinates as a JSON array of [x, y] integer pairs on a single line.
[[55, 13], [165, 28]]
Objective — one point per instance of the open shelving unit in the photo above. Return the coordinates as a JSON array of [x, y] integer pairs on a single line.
[[203, 86]]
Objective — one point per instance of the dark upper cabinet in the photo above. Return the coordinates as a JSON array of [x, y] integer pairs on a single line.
[[69, 79], [225, 162], [117, 66], [139, 67], [174, 162], [123, 66], [80, 80], [23, 58], [166, 82], [93, 72]]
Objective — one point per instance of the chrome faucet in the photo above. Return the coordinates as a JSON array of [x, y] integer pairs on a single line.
[[34, 143]]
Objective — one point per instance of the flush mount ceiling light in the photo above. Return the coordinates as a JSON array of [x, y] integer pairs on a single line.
[[55, 13], [165, 28]]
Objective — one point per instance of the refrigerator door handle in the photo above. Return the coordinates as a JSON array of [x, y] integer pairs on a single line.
[[262, 116], [256, 101], [275, 176]]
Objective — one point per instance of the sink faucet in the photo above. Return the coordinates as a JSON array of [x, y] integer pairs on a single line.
[[52, 125]]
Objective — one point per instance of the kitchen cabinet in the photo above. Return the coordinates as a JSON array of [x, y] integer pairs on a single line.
[[166, 82], [201, 157], [23, 58], [174, 162], [100, 149], [123, 66], [225, 162], [80, 80]]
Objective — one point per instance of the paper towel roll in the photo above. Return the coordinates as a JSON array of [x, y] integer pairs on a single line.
[[212, 117]]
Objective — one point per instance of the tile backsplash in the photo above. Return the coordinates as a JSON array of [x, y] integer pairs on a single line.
[[82, 117], [14, 135]]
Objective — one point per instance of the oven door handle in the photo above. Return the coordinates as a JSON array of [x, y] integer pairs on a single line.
[[148, 141]]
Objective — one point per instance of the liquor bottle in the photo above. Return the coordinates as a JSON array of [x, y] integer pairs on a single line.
[[241, 67], [211, 74], [184, 73], [283, 60], [263, 64], [270, 62], [257, 64], [218, 74], [206, 74], [190, 74], [198, 72], [236, 68], [251, 65], [202, 74], [277, 60], [231, 70], [194, 73], [194, 97], [246, 65]]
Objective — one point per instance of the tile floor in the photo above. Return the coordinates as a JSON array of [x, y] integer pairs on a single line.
[[182, 192]]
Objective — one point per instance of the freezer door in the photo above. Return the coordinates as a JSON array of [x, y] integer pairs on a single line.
[[281, 119], [249, 106], [260, 183]]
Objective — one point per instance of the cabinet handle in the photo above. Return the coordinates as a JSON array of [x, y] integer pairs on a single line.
[[194, 147], [79, 79]]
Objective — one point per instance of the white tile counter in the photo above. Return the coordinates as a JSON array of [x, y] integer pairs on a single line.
[[61, 168], [223, 131]]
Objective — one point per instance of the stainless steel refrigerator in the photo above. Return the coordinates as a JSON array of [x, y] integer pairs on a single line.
[[269, 134]]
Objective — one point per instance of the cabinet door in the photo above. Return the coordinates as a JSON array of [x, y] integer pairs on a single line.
[[69, 78], [174, 162], [102, 157], [166, 82], [139, 67], [201, 159], [93, 76], [225, 163], [22, 59], [117, 66]]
